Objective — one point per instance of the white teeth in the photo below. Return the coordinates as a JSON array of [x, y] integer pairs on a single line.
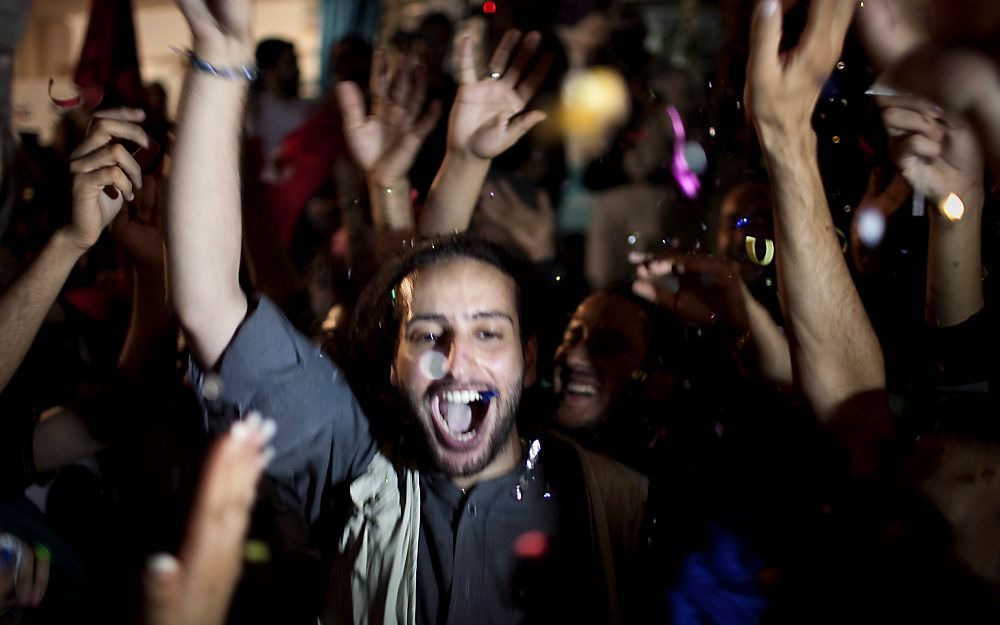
[[582, 389], [461, 397], [463, 436]]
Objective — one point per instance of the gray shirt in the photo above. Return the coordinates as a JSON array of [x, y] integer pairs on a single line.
[[471, 567]]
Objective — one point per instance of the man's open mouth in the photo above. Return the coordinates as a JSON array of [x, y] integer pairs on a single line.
[[459, 415], [576, 383]]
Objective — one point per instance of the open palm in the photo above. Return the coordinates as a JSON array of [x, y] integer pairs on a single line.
[[487, 116], [385, 141]]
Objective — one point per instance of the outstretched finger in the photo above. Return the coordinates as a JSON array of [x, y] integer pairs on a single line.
[[501, 56], [352, 104], [467, 62], [520, 126], [765, 40], [525, 51]]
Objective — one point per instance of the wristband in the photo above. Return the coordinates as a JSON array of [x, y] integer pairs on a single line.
[[234, 72]]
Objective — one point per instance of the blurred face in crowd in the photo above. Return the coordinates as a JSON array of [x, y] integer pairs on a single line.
[[287, 72], [746, 210], [585, 38], [433, 39], [603, 346], [460, 362]]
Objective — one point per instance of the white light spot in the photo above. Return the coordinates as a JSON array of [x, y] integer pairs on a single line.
[[695, 156], [871, 226], [953, 208], [434, 365]]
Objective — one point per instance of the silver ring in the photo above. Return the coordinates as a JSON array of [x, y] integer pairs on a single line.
[[495, 75]]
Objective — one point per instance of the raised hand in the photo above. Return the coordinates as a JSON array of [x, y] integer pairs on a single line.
[[891, 29], [104, 173], [386, 141], [782, 87], [487, 118], [937, 154], [530, 228], [196, 588], [220, 28], [702, 290]]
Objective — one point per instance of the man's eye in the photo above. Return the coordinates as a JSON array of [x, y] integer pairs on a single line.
[[489, 335], [424, 338]]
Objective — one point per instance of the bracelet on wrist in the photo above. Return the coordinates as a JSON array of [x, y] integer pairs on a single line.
[[246, 71]]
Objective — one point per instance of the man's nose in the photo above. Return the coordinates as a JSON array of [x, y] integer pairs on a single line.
[[461, 357]]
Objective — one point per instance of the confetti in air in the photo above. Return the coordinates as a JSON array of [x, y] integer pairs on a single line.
[[531, 545], [89, 97], [751, 243], [434, 365], [679, 167], [871, 226]]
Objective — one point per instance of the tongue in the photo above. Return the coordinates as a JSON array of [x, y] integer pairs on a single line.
[[459, 417]]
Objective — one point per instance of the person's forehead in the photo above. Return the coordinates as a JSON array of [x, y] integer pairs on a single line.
[[458, 289], [610, 310]]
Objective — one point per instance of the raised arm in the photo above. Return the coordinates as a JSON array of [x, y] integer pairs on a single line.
[[204, 234], [836, 355], [385, 141], [98, 163], [923, 47], [940, 156], [486, 119]]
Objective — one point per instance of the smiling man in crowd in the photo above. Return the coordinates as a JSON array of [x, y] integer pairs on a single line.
[[451, 516]]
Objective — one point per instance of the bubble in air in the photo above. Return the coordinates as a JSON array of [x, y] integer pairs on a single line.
[[531, 545], [695, 155], [871, 226], [434, 365]]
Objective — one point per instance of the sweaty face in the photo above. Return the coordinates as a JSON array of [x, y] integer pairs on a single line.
[[460, 362], [604, 344]]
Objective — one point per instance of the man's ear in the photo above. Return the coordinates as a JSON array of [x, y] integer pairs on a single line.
[[531, 362]]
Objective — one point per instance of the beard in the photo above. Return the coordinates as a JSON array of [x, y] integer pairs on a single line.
[[504, 418]]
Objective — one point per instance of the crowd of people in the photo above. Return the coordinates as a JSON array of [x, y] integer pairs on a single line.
[[518, 323]]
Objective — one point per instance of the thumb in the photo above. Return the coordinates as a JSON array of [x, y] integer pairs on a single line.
[[765, 40], [521, 125], [162, 582]]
